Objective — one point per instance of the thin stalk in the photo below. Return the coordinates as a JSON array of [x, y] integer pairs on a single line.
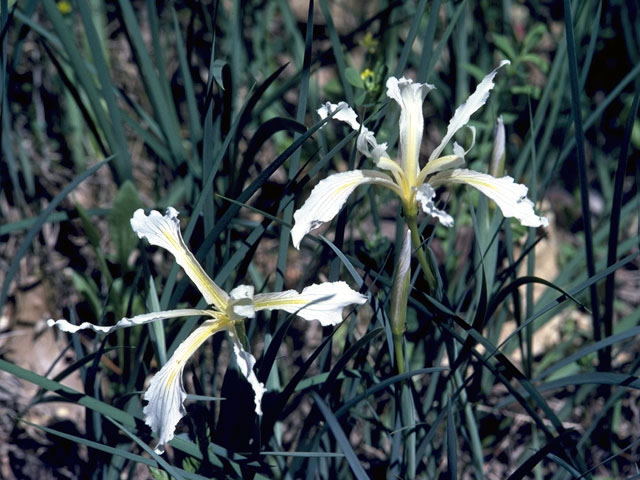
[[422, 258], [472, 428], [399, 353]]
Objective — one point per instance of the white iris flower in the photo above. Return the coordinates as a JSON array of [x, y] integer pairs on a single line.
[[411, 183], [166, 394]]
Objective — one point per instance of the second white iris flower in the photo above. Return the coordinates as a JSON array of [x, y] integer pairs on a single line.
[[166, 395], [406, 179]]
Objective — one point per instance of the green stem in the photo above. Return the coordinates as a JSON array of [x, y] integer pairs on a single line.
[[242, 334], [422, 258], [397, 344]]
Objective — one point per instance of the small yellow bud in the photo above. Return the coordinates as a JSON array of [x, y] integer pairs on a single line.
[[64, 7], [366, 74]]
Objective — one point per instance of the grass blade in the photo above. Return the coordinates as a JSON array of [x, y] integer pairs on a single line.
[[452, 444], [604, 361], [35, 228], [614, 226], [341, 438]]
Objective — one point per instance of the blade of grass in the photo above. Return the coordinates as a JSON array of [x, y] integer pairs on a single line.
[[512, 372], [427, 42], [286, 201], [604, 360], [303, 454], [614, 228], [158, 49], [342, 361], [35, 228], [574, 291], [407, 414], [126, 419], [592, 118], [189, 90], [107, 90], [383, 385], [162, 106], [337, 47], [161, 461], [122, 167], [591, 378], [528, 466], [341, 438], [75, 94], [451, 24], [452, 444], [411, 37], [111, 450]]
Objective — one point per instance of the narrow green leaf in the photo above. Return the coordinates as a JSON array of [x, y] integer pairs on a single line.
[[107, 91], [341, 438], [126, 202], [452, 444], [347, 77], [35, 228], [582, 176]]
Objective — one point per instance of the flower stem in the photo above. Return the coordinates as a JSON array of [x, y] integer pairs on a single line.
[[422, 258], [397, 346], [242, 334]]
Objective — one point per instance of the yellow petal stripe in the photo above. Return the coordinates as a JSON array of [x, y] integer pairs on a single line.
[[164, 231], [166, 393]]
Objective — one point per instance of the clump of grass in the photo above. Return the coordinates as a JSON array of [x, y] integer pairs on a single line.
[[211, 108]]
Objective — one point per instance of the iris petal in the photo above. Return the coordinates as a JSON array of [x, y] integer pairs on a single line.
[[328, 197], [410, 96], [425, 195], [323, 302], [463, 113], [246, 362], [166, 393], [164, 231], [511, 197], [69, 327]]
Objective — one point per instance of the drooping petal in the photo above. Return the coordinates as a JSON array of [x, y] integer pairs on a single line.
[[511, 197], [166, 393], [369, 146], [241, 303], [69, 327], [245, 362], [463, 113], [425, 195], [410, 96], [164, 231], [366, 142], [323, 302], [341, 111], [328, 197]]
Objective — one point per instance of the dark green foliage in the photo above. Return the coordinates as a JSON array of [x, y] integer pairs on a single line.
[[211, 108]]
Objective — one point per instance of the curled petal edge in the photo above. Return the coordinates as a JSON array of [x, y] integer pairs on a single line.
[[425, 195], [511, 197]]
